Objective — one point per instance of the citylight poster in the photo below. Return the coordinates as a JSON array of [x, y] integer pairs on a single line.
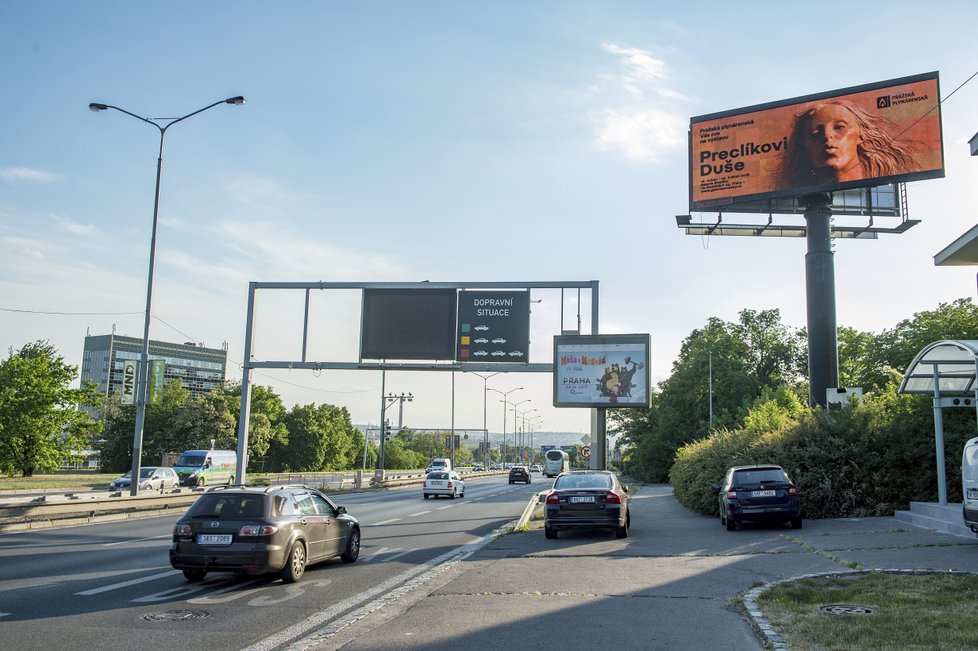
[[156, 380], [602, 371], [129, 371], [885, 132]]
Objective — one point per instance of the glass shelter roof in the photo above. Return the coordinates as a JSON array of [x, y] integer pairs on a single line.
[[951, 362]]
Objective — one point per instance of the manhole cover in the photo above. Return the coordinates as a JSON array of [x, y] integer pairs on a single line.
[[845, 609], [176, 615]]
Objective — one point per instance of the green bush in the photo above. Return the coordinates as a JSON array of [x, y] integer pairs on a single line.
[[869, 458]]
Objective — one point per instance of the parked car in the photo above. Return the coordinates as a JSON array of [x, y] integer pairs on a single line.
[[255, 530], [587, 499], [757, 493], [443, 482], [519, 473], [151, 478]]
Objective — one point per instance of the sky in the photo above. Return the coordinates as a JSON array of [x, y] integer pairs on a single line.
[[448, 141]]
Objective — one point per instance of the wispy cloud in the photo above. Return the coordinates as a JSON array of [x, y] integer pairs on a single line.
[[26, 175], [74, 228], [641, 121]]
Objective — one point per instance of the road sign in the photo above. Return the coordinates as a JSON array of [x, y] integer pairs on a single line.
[[493, 327], [586, 439], [586, 451]]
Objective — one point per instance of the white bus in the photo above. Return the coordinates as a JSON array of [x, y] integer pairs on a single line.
[[557, 461]]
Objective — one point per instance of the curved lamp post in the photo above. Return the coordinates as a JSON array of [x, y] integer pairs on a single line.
[[144, 357], [502, 450], [485, 431]]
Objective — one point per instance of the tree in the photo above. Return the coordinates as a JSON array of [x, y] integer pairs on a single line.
[[320, 438], [40, 420]]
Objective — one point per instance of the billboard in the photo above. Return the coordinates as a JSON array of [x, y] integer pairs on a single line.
[[408, 324], [602, 371], [886, 132]]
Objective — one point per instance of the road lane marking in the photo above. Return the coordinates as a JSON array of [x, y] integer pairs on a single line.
[[442, 508], [382, 594], [378, 524], [406, 551], [418, 513], [377, 553], [136, 540], [126, 584]]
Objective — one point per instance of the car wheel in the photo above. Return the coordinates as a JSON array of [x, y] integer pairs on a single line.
[[622, 532], [295, 565], [796, 522], [731, 525], [549, 531], [723, 519], [200, 482], [454, 494], [352, 552], [194, 574], [426, 496], [461, 494]]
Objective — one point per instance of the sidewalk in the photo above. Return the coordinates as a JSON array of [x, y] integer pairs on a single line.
[[669, 585]]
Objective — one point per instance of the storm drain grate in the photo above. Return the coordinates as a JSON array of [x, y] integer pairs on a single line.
[[176, 615], [845, 609]]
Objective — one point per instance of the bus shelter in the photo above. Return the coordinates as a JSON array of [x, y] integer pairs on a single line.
[[946, 370]]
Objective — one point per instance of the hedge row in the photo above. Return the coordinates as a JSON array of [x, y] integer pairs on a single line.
[[866, 459]]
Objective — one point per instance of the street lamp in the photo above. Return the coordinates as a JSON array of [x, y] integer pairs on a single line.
[[514, 405], [144, 357], [522, 440], [485, 428], [502, 450]]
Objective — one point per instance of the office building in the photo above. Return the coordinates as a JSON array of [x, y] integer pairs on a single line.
[[199, 369]]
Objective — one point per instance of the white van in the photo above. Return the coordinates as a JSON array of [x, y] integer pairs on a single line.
[[969, 483], [439, 464], [203, 467]]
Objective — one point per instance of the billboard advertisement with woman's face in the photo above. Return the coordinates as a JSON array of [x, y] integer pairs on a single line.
[[887, 132]]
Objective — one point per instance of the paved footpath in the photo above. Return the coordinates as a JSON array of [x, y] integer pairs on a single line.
[[669, 585]]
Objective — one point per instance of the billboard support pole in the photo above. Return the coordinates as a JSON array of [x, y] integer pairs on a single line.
[[823, 364]]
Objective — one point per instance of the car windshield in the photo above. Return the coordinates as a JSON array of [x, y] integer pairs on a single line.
[[195, 460], [582, 481], [759, 476]]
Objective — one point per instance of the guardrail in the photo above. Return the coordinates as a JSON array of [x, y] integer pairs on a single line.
[[80, 508]]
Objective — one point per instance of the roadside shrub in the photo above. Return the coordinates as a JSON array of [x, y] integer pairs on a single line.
[[868, 458]]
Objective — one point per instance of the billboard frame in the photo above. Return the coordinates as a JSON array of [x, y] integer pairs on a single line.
[[729, 201], [602, 346]]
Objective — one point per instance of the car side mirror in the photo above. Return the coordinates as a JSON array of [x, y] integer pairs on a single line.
[[717, 487], [340, 510], [541, 498]]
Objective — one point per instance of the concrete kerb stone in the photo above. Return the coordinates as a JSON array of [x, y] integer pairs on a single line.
[[773, 638]]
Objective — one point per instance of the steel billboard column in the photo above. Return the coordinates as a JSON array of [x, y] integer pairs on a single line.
[[244, 416], [823, 364], [599, 428]]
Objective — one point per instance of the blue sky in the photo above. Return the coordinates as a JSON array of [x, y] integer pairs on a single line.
[[443, 141]]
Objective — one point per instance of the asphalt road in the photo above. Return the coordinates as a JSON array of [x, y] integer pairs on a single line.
[[110, 585]]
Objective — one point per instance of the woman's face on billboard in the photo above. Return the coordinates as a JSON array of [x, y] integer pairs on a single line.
[[833, 141]]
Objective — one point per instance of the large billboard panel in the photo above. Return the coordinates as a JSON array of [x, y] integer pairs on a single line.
[[886, 132], [602, 371]]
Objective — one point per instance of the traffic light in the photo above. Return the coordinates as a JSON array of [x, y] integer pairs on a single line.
[[387, 430]]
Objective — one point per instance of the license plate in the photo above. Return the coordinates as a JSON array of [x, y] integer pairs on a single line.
[[581, 499], [214, 539], [762, 493], [973, 493]]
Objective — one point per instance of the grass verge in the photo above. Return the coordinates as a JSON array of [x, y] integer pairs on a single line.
[[909, 612], [60, 481]]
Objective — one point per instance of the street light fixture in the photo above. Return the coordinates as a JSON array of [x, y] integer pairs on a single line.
[[521, 452], [502, 450], [144, 356], [485, 427]]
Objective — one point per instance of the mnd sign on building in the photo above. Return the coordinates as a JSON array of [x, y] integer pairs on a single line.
[[886, 132], [601, 371]]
